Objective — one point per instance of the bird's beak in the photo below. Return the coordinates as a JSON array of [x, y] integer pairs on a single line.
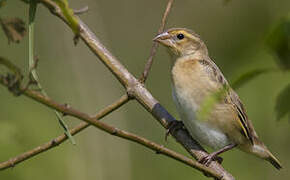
[[161, 37], [165, 39]]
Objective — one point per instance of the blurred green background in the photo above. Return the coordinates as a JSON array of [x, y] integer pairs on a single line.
[[235, 34]]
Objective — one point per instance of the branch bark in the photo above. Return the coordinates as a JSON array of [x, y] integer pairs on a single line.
[[135, 89], [62, 138]]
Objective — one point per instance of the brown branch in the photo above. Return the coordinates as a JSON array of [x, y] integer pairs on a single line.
[[155, 44], [93, 120], [136, 90], [62, 138]]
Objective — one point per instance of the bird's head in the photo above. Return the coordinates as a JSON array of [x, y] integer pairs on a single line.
[[181, 41]]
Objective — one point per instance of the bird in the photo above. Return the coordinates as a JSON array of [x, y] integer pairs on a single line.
[[195, 77]]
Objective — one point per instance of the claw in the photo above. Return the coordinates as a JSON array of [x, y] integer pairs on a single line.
[[209, 158], [173, 126], [214, 156], [219, 159]]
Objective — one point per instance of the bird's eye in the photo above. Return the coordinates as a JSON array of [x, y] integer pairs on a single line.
[[180, 36]]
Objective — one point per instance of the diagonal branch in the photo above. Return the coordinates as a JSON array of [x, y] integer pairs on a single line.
[[155, 44], [136, 90], [93, 120], [62, 138], [110, 108]]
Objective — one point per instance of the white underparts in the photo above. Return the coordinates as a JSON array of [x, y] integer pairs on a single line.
[[200, 130]]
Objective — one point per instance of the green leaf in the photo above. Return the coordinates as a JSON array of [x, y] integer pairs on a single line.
[[248, 76], [32, 65], [278, 42], [69, 15], [210, 101], [282, 107]]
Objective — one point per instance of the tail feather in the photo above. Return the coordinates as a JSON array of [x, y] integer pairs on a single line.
[[260, 150], [274, 161]]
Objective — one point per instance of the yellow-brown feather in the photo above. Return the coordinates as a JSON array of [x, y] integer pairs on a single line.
[[192, 77]]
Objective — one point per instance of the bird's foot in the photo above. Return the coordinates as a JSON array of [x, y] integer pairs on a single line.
[[209, 158], [173, 126], [214, 156]]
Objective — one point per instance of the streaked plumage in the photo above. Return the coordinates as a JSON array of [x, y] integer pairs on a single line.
[[195, 77]]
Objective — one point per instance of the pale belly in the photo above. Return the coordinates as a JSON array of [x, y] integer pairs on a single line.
[[202, 131]]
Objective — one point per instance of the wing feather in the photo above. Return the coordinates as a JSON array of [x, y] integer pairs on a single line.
[[231, 97]]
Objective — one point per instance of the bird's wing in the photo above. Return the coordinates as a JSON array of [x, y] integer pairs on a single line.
[[231, 97], [242, 116]]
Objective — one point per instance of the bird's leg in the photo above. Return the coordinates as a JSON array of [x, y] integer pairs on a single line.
[[213, 156], [173, 126]]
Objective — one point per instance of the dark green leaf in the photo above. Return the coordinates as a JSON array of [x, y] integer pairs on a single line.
[[246, 77], [279, 43], [282, 107]]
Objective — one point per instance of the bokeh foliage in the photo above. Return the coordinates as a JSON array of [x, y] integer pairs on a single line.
[[235, 35], [279, 44]]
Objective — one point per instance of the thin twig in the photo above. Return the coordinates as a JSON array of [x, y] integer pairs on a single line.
[[109, 129], [62, 138], [155, 44], [81, 11], [32, 61]]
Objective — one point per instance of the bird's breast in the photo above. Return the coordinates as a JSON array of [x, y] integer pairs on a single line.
[[191, 82], [191, 85]]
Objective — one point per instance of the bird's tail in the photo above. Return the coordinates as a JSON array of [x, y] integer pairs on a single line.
[[260, 150], [273, 160]]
